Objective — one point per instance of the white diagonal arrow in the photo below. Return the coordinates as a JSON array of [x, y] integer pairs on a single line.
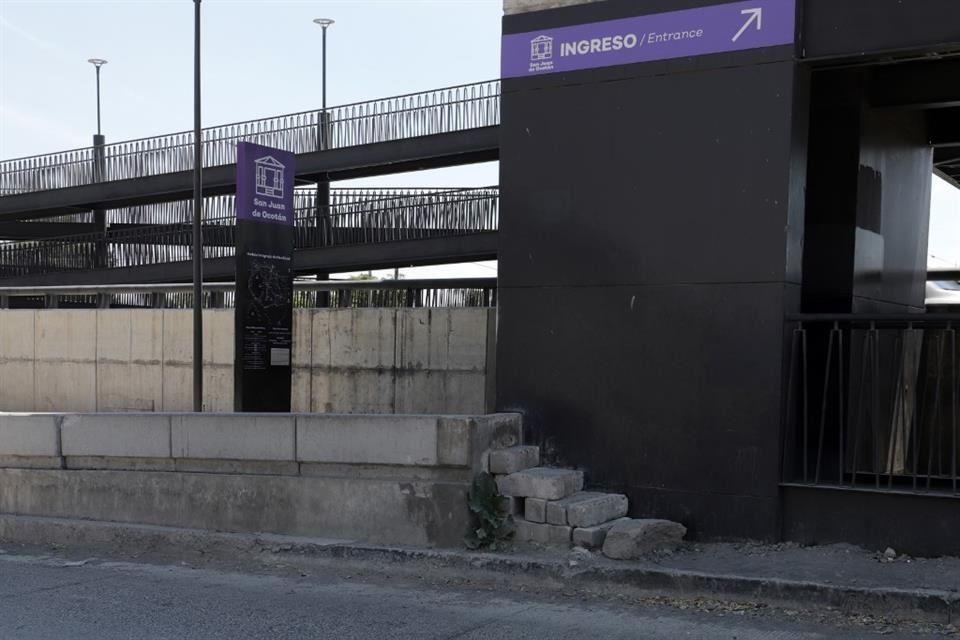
[[755, 15]]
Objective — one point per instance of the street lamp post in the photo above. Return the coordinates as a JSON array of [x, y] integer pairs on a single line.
[[324, 120], [197, 220], [323, 142], [98, 62], [99, 168]]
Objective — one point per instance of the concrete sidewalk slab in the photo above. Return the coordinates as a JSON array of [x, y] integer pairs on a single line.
[[840, 578]]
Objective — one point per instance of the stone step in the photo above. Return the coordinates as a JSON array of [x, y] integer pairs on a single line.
[[541, 482], [593, 537], [542, 533], [631, 539], [513, 459], [587, 509], [535, 510]]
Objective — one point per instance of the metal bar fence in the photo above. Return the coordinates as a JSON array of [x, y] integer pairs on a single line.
[[874, 402], [353, 218], [420, 114], [308, 294]]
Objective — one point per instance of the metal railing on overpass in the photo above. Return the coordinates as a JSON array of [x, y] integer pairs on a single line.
[[418, 114], [307, 294], [354, 217]]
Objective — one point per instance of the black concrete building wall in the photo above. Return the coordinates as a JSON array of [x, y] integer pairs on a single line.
[[659, 221], [650, 245]]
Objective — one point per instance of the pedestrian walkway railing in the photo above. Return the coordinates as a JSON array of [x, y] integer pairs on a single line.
[[419, 114], [874, 402], [308, 294], [354, 217]]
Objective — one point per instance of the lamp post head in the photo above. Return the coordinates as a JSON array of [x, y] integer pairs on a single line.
[[323, 22], [97, 62]]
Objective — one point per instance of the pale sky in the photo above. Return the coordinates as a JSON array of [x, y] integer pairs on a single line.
[[259, 59], [944, 224]]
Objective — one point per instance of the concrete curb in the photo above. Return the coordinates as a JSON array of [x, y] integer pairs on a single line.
[[543, 571]]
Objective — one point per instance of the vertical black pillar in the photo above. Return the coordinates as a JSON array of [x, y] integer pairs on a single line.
[[323, 214], [833, 162], [324, 228], [100, 215], [264, 294], [324, 231], [652, 219]]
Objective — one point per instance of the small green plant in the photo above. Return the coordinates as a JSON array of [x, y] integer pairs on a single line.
[[494, 522]]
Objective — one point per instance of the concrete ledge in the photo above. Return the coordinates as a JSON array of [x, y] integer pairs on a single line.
[[29, 435], [150, 441], [109, 463], [397, 473], [140, 435], [31, 462], [238, 467], [233, 436], [367, 439]]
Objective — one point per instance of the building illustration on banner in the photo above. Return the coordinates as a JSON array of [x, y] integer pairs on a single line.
[[541, 48], [269, 180]]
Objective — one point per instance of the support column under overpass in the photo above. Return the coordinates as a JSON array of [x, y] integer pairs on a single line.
[[663, 214]]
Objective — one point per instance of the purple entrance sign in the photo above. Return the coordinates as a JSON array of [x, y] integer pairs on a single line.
[[264, 184], [693, 32]]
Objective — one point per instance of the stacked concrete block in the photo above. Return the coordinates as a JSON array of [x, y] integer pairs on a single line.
[[513, 459], [548, 534], [548, 504], [593, 537], [556, 511], [535, 510], [541, 482], [633, 539], [504, 460], [587, 509], [550, 507]]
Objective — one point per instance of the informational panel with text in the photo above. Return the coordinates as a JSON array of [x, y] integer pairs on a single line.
[[264, 296], [720, 28]]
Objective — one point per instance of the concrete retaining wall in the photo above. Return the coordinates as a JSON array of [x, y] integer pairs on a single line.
[[345, 360], [377, 478]]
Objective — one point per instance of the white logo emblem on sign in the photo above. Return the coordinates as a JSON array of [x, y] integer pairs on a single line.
[[269, 181], [541, 48]]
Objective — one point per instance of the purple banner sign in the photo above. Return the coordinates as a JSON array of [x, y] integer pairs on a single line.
[[693, 32], [264, 184]]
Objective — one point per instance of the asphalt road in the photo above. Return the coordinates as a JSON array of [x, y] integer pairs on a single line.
[[54, 598]]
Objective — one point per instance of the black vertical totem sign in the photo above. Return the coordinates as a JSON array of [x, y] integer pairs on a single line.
[[264, 295]]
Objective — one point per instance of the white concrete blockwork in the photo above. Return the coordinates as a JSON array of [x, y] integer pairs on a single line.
[[141, 435], [29, 435], [401, 440], [233, 436], [344, 360]]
